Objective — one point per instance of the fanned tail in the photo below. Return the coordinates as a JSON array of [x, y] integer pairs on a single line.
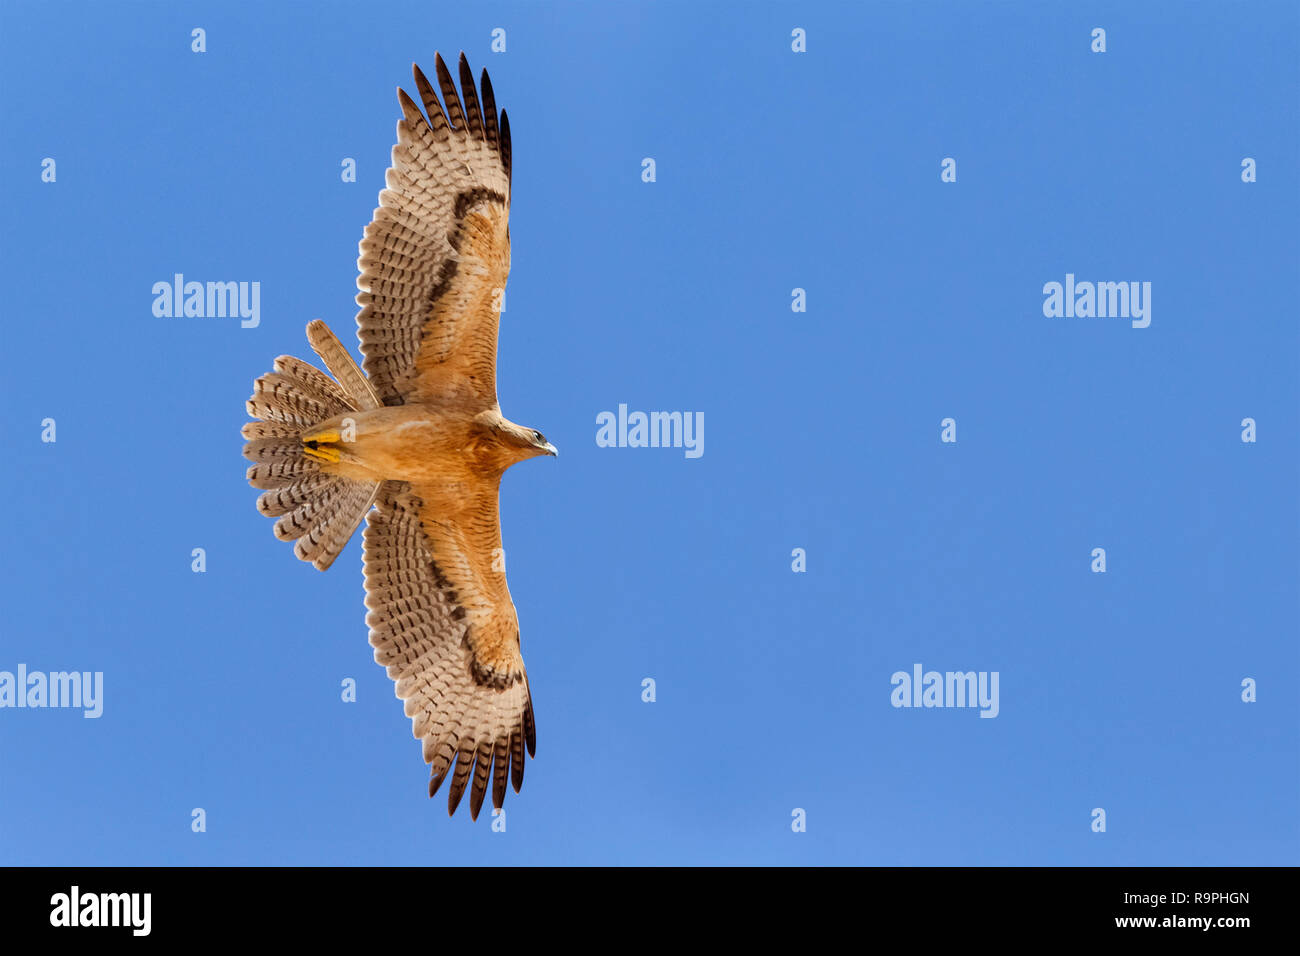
[[318, 511]]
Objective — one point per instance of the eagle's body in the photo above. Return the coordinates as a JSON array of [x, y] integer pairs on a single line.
[[419, 436], [434, 443]]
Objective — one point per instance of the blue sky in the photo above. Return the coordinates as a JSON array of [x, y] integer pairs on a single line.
[[775, 170]]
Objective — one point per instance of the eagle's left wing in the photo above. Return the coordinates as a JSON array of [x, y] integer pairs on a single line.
[[434, 259], [443, 623]]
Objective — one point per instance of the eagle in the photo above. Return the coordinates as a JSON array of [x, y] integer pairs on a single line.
[[414, 441]]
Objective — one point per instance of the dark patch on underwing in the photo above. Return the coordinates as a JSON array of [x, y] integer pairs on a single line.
[[486, 676]]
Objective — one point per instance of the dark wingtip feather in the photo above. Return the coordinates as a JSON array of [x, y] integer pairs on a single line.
[[437, 118], [455, 114], [490, 126], [436, 781], [469, 96], [516, 762], [410, 110], [505, 143], [480, 774], [453, 799], [464, 762], [500, 773]]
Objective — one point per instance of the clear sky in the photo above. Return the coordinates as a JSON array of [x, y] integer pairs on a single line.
[[774, 171]]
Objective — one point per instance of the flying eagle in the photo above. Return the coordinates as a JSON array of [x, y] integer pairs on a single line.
[[420, 437]]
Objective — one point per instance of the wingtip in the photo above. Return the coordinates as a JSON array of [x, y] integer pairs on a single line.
[[435, 783], [410, 110]]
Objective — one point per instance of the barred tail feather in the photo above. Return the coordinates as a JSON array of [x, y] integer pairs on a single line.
[[316, 510], [340, 361]]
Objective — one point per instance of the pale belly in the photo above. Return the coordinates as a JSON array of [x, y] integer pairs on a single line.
[[412, 443]]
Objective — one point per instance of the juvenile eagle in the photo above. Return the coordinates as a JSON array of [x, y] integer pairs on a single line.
[[420, 437]]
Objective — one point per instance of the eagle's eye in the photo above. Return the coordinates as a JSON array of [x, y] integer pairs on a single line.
[[541, 439]]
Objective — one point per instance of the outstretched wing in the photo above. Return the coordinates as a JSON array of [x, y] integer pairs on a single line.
[[435, 257], [442, 622]]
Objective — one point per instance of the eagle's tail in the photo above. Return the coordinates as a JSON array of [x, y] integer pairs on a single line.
[[319, 511]]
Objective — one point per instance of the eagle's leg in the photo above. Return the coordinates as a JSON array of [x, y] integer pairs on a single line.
[[318, 445], [327, 454]]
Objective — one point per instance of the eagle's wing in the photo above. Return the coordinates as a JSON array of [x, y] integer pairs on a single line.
[[435, 257], [442, 622]]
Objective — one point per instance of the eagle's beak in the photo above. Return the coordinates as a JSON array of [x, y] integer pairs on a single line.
[[551, 450]]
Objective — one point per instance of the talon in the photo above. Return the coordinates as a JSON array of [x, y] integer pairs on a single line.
[[324, 454]]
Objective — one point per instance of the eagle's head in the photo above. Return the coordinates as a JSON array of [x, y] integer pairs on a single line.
[[508, 444], [538, 445]]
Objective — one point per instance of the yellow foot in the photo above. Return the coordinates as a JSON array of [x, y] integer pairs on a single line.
[[322, 453], [323, 438]]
